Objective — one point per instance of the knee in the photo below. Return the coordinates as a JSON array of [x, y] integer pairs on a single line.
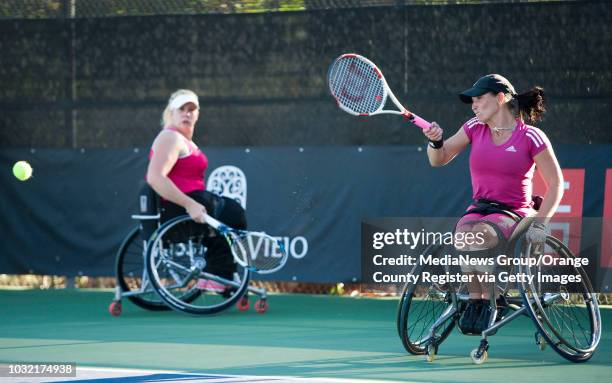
[[486, 236], [483, 237], [234, 215]]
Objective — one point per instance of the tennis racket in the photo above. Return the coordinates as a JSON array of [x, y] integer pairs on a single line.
[[360, 89], [256, 251]]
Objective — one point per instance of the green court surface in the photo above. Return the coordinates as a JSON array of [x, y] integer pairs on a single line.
[[300, 336]]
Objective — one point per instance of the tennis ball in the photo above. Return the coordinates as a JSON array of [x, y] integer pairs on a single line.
[[22, 170]]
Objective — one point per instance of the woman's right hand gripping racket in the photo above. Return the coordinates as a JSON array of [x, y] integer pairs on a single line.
[[361, 90], [256, 251]]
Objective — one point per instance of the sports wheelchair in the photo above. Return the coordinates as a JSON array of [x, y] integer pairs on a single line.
[[168, 266], [567, 319]]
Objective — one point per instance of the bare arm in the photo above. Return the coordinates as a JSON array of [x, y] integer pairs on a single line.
[[450, 149], [546, 162], [166, 150]]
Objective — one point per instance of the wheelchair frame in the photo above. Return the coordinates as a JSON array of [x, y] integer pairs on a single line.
[[530, 303], [134, 267]]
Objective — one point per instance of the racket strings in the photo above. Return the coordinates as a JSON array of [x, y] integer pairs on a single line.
[[259, 251], [356, 85]]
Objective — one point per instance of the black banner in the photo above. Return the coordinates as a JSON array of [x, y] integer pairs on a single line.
[[71, 216]]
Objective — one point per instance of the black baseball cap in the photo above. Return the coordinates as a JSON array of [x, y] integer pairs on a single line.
[[490, 83]]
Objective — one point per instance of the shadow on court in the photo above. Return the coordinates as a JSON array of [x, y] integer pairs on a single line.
[[301, 335]]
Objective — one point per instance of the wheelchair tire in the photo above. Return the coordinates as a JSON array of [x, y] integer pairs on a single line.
[[177, 260], [420, 305], [129, 271], [568, 318]]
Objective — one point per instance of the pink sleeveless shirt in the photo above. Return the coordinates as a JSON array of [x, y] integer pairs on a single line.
[[504, 172], [188, 172]]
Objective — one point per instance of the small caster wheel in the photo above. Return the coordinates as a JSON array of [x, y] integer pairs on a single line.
[[243, 304], [115, 308], [479, 359], [261, 306], [480, 355], [540, 341], [432, 351]]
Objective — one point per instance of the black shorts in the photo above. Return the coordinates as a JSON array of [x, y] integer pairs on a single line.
[[220, 259], [224, 209]]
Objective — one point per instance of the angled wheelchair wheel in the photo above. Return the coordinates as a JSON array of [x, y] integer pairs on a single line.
[[183, 258], [131, 273], [566, 314], [421, 305]]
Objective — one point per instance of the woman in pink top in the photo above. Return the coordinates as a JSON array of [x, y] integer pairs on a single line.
[[504, 155], [176, 173]]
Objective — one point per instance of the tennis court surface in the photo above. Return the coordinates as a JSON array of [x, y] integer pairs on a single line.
[[302, 338]]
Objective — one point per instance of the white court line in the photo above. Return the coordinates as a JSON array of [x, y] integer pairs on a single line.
[[102, 374]]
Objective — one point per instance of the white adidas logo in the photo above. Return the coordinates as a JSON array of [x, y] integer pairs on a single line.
[[511, 149]]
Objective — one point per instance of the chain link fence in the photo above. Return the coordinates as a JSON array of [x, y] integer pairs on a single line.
[[97, 81], [36, 9]]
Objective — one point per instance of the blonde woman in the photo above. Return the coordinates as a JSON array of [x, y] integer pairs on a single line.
[[176, 172]]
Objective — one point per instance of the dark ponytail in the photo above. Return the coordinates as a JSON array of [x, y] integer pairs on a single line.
[[531, 104]]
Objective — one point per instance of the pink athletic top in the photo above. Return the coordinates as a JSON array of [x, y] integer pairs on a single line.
[[504, 172], [188, 171]]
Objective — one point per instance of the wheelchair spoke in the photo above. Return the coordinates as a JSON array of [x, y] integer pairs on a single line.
[[425, 315], [131, 273], [188, 276], [566, 316], [571, 323], [176, 277], [175, 266]]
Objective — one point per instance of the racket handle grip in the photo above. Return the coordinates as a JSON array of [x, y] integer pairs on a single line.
[[212, 222], [418, 121]]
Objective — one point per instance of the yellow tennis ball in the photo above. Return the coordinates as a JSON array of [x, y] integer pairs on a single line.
[[22, 170]]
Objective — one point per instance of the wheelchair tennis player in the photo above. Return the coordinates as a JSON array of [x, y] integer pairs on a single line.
[[176, 172], [505, 153]]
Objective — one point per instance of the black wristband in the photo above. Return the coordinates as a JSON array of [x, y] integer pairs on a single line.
[[436, 144], [539, 225]]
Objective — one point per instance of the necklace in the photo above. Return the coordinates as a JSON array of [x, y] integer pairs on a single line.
[[498, 130]]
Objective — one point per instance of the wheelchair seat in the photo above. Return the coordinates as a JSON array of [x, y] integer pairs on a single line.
[[148, 210]]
